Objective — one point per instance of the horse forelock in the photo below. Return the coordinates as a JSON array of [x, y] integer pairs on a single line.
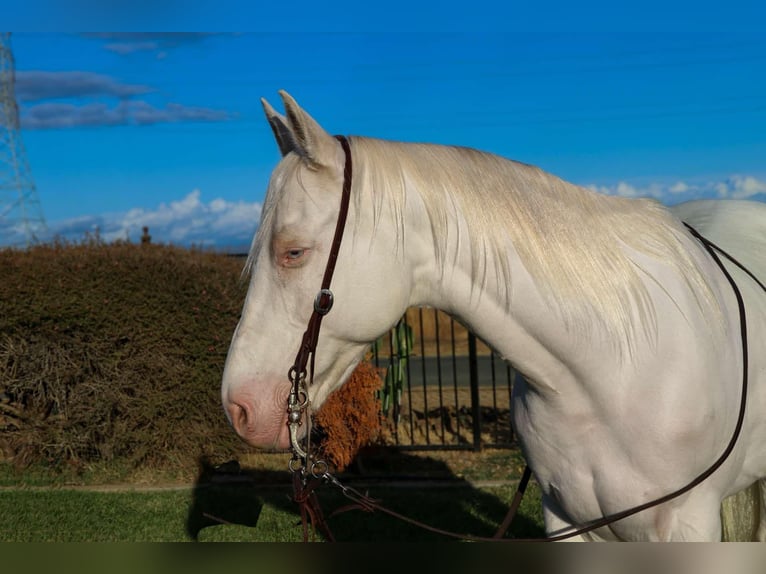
[[575, 243]]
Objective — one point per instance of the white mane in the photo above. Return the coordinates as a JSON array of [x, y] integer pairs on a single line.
[[571, 240]]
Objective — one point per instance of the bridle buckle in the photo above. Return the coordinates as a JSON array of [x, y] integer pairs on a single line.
[[323, 302]]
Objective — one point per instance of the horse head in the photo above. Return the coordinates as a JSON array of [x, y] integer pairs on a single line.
[[287, 263]]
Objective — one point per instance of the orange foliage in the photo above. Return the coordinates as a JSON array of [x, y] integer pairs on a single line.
[[350, 418]]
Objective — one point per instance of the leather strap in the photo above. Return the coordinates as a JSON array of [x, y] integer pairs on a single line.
[[323, 301], [305, 478]]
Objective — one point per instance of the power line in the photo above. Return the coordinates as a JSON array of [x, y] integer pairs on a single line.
[[21, 215]]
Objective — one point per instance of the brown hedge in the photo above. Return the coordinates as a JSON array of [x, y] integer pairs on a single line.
[[115, 352]]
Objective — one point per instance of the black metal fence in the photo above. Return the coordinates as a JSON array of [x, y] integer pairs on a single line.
[[444, 389]]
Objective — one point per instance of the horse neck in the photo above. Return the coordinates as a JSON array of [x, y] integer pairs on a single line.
[[518, 324], [471, 225]]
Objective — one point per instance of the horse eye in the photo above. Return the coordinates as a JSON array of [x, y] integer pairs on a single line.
[[295, 253], [292, 257]]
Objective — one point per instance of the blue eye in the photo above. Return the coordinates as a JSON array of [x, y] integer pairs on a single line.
[[295, 253]]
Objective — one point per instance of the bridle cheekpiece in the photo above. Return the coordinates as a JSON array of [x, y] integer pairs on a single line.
[[301, 374]]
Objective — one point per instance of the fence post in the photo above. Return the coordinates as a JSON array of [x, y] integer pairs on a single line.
[[473, 373]]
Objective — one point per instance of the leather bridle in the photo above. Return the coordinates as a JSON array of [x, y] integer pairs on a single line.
[[298, 402], [309, 472]]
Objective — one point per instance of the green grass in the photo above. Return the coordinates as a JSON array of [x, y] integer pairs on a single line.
[[37, 504], [250, 513], [96, 474]]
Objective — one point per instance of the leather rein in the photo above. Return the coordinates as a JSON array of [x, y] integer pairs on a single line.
[[310, 472]]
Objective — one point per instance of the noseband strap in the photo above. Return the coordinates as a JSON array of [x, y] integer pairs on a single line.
[[298, 400]]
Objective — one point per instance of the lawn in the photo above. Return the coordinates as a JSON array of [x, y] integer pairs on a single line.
[[236, 512]]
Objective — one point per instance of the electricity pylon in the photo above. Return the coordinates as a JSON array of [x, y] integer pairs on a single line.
[[21, 215]]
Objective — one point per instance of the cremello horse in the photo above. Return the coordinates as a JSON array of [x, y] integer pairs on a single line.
[[626, 331]]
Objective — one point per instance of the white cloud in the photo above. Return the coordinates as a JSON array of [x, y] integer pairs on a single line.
[[625, 189], [741, 187], [223, 223], [680, 187], [734, 187], [189, 220]]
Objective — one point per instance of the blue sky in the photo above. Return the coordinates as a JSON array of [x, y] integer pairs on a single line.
[[166, 130]]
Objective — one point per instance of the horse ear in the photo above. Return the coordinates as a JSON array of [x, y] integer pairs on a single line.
[[279, 126], [316, 146]]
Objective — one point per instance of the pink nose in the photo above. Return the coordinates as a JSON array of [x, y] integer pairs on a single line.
[[262, 425]]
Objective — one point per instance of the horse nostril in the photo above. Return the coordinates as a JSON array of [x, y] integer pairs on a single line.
[[241, 419]]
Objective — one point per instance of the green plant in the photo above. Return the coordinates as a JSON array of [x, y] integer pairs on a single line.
[[402, 342]]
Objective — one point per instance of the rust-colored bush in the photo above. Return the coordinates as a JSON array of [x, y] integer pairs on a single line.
[[350, 418]]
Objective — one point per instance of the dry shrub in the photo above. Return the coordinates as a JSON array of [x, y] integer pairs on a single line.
[[350, 418], [115, 352]]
